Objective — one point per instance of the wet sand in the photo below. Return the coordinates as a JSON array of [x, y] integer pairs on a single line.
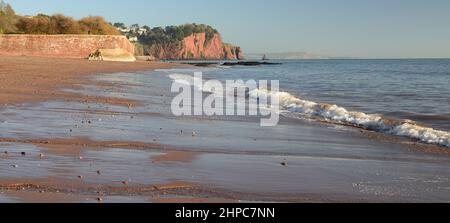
[[58, 147]]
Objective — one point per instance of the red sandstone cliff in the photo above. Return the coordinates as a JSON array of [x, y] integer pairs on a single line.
[[197, 47]]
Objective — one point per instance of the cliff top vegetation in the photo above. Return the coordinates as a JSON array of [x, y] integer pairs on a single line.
[[10, 23]]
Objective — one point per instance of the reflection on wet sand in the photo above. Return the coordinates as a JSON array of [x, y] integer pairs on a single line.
[[72, 151]]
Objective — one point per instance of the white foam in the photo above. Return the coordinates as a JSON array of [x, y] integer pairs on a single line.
[[375, 122]]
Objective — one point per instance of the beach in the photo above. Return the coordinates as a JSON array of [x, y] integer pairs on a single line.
[[74, 130]]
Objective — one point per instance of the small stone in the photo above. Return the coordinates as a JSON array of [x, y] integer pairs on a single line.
[[41, 156], [15, 166], [80, 177], [99, 199], [284, 163], [23, 153], [194, 134], [80, 158], [99, 172], [125, 182], [6, 152]]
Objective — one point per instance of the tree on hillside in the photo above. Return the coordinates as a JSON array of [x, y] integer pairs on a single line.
[[120, 25], [146, 28], [135, 27], [8, 18], [34, 25], [65, 25]]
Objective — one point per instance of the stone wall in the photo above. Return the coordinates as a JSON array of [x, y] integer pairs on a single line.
[[67, 46]]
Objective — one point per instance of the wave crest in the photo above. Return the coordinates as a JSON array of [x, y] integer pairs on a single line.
[[374, 122]]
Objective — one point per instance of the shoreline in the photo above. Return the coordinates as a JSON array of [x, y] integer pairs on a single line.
[[123, 153]]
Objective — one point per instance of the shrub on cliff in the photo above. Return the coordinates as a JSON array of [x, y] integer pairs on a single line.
[[60, 24], [44, 24], [97, 25], [55, 24]]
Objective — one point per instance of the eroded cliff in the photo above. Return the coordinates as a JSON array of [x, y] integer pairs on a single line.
[[197, 47]]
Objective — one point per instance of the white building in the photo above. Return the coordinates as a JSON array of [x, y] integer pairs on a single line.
[[133, 38]]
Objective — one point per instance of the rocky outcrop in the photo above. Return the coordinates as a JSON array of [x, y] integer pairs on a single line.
[[197, 47], [68, 46]]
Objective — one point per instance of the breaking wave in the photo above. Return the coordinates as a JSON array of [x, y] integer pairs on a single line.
[[339, 115], [374, 122]]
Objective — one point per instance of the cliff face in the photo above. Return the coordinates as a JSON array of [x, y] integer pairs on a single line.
[[197, 47]]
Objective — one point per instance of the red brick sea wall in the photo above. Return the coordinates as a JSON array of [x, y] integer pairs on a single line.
[[68, 46]]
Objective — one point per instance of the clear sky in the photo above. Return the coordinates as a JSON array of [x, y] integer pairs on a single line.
[[355, 28]]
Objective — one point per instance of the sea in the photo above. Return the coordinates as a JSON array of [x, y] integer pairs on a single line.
[[403, 97]]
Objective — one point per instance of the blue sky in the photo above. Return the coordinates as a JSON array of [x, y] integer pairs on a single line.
[[356, 28]]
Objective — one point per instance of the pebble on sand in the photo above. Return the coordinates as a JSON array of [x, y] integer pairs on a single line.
[[41, 156], [194, 133], [23, 153], [80, 158], [80, 177], [99, 172], [125, 182], [284, 163]]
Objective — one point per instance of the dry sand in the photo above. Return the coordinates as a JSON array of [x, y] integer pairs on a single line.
[[32, 79]]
